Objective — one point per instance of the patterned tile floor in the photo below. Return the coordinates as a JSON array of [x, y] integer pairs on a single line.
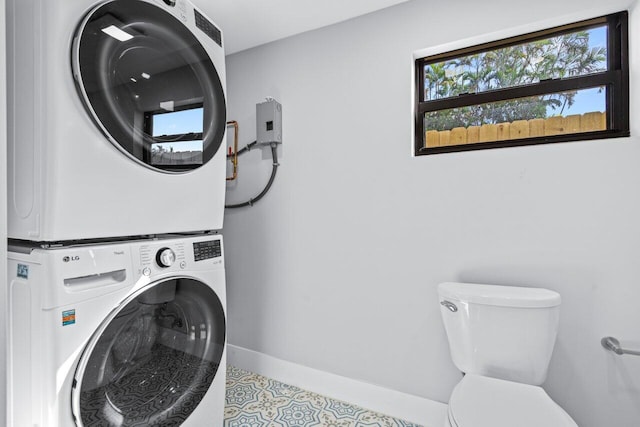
[[257, 401]]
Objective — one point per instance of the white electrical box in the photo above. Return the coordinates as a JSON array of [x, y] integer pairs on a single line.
[[269, 122]]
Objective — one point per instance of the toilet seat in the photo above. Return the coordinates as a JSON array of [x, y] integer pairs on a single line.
[[489, 402]]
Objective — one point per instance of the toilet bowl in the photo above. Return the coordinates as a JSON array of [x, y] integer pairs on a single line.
[[479, 401], [501, 338]]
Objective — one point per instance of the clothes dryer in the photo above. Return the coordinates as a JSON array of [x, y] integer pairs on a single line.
[[117, 119], [118, 334]]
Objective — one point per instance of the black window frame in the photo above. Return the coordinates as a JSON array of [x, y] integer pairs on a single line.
[[615, 79], [191, 136]]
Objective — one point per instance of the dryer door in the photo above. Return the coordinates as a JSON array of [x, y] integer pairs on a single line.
[[150, 85], [153, 359]]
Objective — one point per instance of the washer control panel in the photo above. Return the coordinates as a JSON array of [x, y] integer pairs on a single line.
[[178, 255], [163, 256], [207, 250]]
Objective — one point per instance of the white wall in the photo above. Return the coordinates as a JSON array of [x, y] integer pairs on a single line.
[[337, 267], [3, 216]]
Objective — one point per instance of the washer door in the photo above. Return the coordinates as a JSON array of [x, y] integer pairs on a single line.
[[150, 85], [152, 361]]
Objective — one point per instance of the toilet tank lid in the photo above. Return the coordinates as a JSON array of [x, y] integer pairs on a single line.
[[504, 296]]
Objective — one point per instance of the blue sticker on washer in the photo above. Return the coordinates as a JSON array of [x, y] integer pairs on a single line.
[[23, 271], [68, 317]]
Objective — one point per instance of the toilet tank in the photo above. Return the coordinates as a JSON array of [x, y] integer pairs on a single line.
[[503, 332]]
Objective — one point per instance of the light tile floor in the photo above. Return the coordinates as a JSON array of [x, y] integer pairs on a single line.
[[257, 401]]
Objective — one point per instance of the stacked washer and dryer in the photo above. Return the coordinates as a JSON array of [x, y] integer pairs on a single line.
[[116, 286]]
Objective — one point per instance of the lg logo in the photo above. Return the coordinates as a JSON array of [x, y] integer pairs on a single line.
[[71, 258]]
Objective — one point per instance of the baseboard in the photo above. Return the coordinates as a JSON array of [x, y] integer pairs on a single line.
[[405, 406]]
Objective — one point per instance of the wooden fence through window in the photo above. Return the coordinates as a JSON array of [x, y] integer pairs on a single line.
[[557, 125]]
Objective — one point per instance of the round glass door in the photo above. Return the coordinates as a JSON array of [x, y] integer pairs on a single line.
[[153, 360], [150, 85]]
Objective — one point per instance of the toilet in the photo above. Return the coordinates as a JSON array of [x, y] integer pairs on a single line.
[[501, 338]]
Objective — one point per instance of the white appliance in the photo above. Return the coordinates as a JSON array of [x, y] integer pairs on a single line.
[[119, 334], [502, 338], [117, 119]]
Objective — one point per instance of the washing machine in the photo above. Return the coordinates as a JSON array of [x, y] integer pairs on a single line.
[[120, 334], [117, 119]]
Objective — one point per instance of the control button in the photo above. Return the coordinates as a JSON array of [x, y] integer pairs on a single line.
[[146, 271], [183, 264], [165, 257]]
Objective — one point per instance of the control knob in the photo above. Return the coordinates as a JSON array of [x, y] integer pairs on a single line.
[[165, 257]]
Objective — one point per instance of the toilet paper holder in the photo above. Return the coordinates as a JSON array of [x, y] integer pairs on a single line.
[[612, 344]]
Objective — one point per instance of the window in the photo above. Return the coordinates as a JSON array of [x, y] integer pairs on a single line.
[[176, 137], [563, 84]]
